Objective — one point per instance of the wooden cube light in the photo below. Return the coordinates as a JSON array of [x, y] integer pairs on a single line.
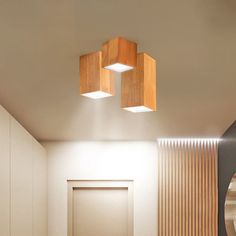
[[95, 81], [119, 55], [138, 86]]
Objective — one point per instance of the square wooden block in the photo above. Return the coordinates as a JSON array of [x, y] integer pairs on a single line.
[[95, 81], [119, 55], [138, 86]]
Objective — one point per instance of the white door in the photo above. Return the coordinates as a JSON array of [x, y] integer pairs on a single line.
[[100, 211]]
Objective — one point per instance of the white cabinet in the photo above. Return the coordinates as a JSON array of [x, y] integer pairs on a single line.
[[39, 190], [23, 181], [4, 173]]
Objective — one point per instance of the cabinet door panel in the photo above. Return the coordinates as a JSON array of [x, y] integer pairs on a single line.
[[39, 190], [21, 181], [4, 173]]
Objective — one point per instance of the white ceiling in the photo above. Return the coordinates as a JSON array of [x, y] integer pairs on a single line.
[[194, 42]]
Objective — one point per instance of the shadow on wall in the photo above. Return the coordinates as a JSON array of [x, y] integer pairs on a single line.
[[227, 168]]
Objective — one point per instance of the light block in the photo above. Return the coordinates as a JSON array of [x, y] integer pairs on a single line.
[[95, 81], [119, 55], [138, 86]]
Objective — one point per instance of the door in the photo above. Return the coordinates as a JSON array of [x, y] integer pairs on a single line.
[[100, 208]]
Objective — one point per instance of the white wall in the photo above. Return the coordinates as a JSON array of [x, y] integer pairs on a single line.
[[103, 160], [23, 179]]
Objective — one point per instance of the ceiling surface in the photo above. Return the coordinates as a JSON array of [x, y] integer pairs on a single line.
[[194, 42]]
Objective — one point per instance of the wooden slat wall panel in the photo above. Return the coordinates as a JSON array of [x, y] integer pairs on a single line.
[[187, 187]]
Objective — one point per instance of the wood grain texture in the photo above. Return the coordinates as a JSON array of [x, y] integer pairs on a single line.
[[187, 188], [93, 77], [119, 50], [138, 86]]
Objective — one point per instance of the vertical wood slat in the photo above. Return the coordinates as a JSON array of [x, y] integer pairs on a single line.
[[197, 189], [187, 187], [159, 174]]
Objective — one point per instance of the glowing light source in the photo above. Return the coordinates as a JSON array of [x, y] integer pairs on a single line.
[[138, 109], [118, 67], [97, 95], [165, 140]]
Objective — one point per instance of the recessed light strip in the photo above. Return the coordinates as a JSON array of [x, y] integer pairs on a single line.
[[187, 140]]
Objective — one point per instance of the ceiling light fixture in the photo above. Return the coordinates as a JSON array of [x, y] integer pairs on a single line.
[[119, 55], [95, 81], [138, 78], [138, 86]]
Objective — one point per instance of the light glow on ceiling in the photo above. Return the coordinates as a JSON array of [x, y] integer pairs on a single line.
[[118, 67], [137, 109], [97, 95], [187, 140]]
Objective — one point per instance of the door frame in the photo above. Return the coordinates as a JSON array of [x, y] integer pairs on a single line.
[[103, 184]]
